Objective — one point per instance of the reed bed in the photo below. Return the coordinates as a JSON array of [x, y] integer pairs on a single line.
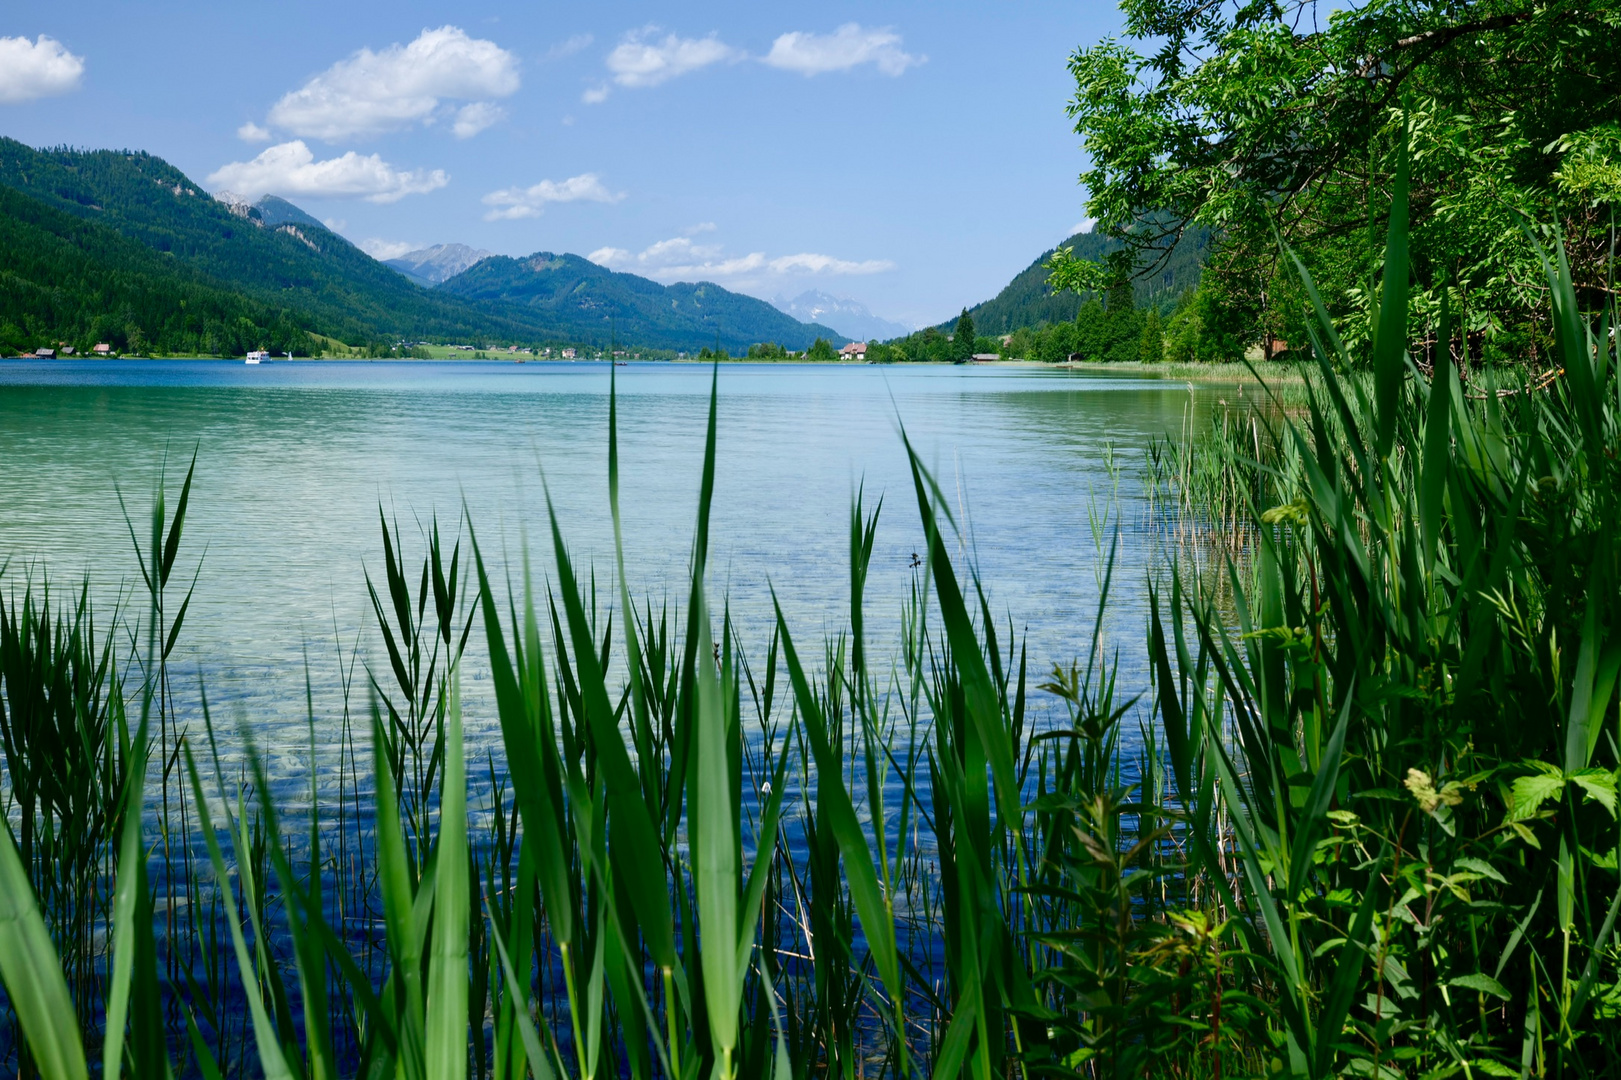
[[1366, 824]]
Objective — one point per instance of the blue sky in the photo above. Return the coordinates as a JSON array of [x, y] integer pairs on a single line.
[[911, 156]]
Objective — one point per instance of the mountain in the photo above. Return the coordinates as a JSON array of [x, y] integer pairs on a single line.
[[1027, 301], [324, 282], [438, 264], [102, 214], [67, 280], [274, 210], [587, 302], [844, 315]]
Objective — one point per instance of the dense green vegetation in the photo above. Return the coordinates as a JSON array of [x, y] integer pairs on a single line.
[[1257, 120], [583, 300], [1029, 301], [64, 279]]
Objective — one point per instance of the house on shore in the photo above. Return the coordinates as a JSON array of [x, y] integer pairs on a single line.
[[856, 350], [985, 357], [45, 354], [103, 349]]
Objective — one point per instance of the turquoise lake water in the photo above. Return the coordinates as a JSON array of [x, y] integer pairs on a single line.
[[295, 458]]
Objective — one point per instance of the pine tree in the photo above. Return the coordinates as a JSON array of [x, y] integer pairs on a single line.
[[962, 338], [1152, 348]]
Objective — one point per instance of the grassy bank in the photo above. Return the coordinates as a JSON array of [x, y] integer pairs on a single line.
[[1370, 827]]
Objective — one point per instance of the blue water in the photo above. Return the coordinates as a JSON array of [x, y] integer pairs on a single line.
[[294, 459]]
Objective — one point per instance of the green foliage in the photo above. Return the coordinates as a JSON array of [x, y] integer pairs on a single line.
[[1244, 120], [767, 351], [962, 337], [821, 349]]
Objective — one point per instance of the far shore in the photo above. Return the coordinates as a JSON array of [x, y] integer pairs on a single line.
[[1230, 373]]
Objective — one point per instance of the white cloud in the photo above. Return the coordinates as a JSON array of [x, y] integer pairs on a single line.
[[36, 69], [513, 203], [680, 259], [639, 60], [701, 227], [373, 92], [569, 47], [290, 169], [845, 48], [474, 118], [383, 250], [1085, 225], [808, 263], [595, 95], [251, 132]]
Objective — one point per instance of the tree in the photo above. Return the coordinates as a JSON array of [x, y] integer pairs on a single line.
[[962, 338], [821, 349], [1245, 118], [1092, 330], [1151, 346]]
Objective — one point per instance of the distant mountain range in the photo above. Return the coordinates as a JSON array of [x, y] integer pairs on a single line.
[[849, 317], [438, 264], [1027, 301], [594, 302], [122, 247]]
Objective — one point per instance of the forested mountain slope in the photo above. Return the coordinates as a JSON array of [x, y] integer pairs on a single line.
[[590, 303]]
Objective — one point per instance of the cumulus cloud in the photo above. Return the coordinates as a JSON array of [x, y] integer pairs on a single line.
[[641, 60], [383, 250], [36, 69], [595, 95], [681, 259], [474, 118], [1085, 225], [510, 204], [251, 132], [373, 92], [290, 169], [847, 47]]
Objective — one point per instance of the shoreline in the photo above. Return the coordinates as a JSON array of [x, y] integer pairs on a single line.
[[1223, 373]]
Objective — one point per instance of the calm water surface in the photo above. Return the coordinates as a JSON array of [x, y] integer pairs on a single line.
[[295, 459]]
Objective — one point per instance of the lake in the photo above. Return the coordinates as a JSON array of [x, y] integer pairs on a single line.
[[294, 459]]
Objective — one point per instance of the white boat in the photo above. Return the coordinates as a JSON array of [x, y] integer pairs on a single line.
[[257, 357]]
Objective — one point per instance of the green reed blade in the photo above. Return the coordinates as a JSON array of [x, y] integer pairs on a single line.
[[171, 547], [125, 897], [984, 709], [754, 889], [634, 827], [33, 975], [1390, 328], [394, 883], [715, 856], [518, 693], [782, 1068], [206, 1063], [303, 918], [271, 1059], [538, 1060], [877, 919], [1437, 459], [446, 1035], [1312, 814]]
